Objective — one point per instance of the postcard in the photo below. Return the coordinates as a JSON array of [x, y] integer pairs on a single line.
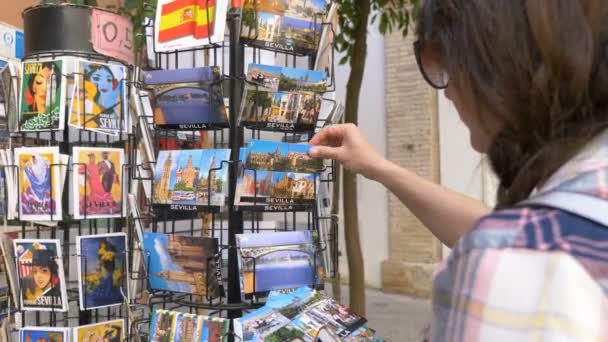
[[102, 270], [287, 26], [187, 98], [40, 270], [35, 334], [10, 88], [181, 263], [161, 326], [105, 331], [97, 185], [279, 156], [99, 102], [302, 314], [275, 189], [212, 329], [185, 327], [185, 178], [42, 96], [39, 185], [185, 24], [275, 261], [279, 111], [275, 78], [8, 260]]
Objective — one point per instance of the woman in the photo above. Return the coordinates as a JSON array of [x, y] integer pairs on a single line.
[[530, 81]]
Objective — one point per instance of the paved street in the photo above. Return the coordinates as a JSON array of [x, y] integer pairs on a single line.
[[395, 318]]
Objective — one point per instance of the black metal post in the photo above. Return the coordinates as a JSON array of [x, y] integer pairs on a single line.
[[235, 221]]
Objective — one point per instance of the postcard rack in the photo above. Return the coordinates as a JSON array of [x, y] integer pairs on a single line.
[[66, 228], [220, 222]]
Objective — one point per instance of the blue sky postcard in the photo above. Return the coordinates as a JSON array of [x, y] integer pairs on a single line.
[[286, 25], [284, 111], [102, 270], [191, 177], [280, 156], [181, 263], [272, 261], [185, 327]]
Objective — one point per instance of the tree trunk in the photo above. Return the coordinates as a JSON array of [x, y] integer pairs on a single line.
[[336, 285], [356, 269]]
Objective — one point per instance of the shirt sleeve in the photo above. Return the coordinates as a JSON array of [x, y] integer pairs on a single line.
[[517, 295]]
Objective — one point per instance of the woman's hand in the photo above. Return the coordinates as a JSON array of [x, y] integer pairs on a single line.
[[347, 145]]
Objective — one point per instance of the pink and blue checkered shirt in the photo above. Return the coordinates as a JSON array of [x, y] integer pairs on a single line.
[[531, 274]]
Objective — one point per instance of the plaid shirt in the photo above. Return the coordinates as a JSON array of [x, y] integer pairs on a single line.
[[531, 274]]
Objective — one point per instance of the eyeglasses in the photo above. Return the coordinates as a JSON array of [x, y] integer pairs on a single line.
[[429, 66]]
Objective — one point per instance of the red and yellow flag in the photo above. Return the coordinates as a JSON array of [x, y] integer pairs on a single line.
[[177, 20], [205, 18]]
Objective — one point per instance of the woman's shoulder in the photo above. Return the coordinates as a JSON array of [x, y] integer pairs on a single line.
[[542, 229]]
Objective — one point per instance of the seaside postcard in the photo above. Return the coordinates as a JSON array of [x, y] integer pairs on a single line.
[[281, 260], [46, 334], [280, 156], [181, 263], [105, 331], [40, 188], [184, 178], [40, 272], [99, 101], [97, 186], [102, 270], [286, 25], [187, 98], [42, 96]]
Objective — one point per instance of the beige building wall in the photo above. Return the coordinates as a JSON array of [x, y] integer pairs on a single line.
[[413, 143]]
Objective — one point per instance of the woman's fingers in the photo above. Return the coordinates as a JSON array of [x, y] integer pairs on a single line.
[[332, 136], [325, 152]]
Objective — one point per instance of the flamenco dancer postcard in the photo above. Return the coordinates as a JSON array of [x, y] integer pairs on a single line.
[[97, 187], [102, 270], [39, 183], [40, 269]]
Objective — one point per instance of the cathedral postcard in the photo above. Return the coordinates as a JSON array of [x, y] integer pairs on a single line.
[[183, 264], [279, 156], [191, 178]]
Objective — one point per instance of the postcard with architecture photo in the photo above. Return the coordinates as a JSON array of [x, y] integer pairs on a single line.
[[102, 270], [187, 98], [275, 190], [273, 261], [191, 178], [161, 325], [212, 329], [279, 111], [279, 156], [181, 263], [286, 25]]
